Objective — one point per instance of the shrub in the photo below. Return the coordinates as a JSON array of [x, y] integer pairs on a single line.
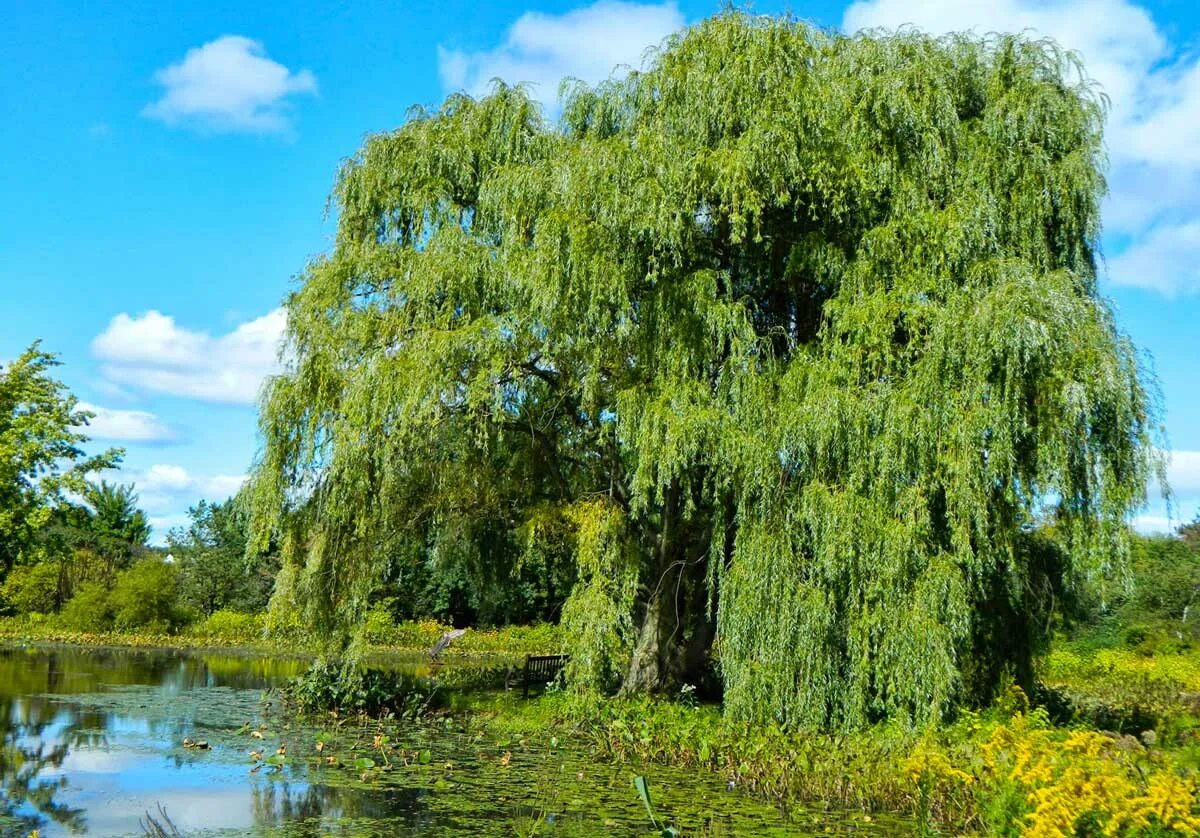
[[415, 635], [536, 639], [89, 610], [31, 589], [146, 596], [378, 627], [1082, 782], [286, 626], [230, 626], [352, 688]]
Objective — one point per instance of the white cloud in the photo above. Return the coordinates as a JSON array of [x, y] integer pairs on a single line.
[[1183, 476], [163, 478], [125, 425], [162, 524], [164, 487], [1154, 524], [541, 49], [224, 485], [1183, 472], [229, 85], [1153, 132], [1165, 259], [152, 352]]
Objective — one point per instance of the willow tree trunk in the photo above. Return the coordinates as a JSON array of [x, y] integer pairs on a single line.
[[675, 633]]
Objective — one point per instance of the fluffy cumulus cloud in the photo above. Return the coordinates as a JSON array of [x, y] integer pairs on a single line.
[[126, 425], [1153, 135], [229, 85], [1183, 473], [1155, 524], [542, 49], [151, 352], [1165, 258], [165, 489], [1183, 478], [175, 480]]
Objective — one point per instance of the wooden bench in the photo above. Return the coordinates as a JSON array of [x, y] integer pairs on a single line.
[[542, 669]]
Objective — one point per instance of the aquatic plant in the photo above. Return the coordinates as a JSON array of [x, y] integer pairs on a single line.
[[643, 790], [355, 688], [1007, 771], [160, 827]]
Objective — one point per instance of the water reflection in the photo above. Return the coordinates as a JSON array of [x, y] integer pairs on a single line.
[[58, 755], [92, 740]]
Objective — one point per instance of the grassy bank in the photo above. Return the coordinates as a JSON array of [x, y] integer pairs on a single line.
[[252, 632], [1008, 771], [1108, 745]]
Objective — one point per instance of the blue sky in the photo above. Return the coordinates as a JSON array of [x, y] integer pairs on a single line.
[[167, 165]]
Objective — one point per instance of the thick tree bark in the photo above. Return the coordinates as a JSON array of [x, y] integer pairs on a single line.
[[675, 634]]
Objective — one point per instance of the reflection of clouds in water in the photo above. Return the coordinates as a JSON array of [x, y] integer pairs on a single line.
[[118, 751], [93, 761], [99, 732], [113, 812]]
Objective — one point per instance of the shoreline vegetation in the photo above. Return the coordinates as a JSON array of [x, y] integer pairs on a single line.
[[1109, 744], [233, 631], [773, 384]]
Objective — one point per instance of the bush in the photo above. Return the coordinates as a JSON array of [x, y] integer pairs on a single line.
[[536, 639], [230, 626], [378, 628], [31, 589], [353, 688], [415, 635], [89, 610], [146, 596]]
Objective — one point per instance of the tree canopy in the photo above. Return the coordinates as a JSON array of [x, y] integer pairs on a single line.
[[42, 460], [211, 552], [785, 344]]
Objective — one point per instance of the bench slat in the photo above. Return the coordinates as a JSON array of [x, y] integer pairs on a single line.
[[542, 669]]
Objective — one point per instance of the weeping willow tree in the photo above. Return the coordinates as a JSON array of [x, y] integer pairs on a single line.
[[791, 342]]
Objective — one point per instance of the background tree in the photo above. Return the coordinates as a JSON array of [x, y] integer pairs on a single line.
[[1190, 533], [42, 459], [211, 555], [97, 537], [114, 514], [1158, 609], [792, 337], [1165, 594]]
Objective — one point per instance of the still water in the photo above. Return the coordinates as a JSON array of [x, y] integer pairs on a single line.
[[92, 741]]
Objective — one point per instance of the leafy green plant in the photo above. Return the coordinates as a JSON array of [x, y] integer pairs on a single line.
[[32, 588], [146, 595], [643, 790], [349, 687], [90, 610], [230, 627]]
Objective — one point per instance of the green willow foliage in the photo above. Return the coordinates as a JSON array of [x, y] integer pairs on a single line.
[[792, 336]]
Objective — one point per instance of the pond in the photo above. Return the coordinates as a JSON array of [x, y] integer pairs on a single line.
[[92, 741]]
